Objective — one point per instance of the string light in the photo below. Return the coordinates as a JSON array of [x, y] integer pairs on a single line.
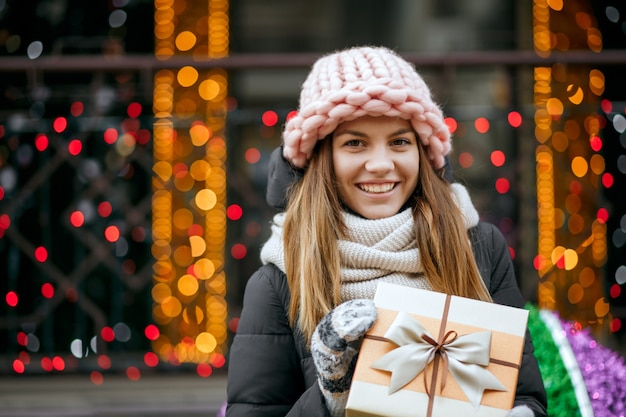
[[189, 213], [572, 246]]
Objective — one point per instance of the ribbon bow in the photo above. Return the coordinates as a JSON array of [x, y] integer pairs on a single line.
[[464, 356]]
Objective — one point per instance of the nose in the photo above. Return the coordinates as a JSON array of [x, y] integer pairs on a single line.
[[379, 160]]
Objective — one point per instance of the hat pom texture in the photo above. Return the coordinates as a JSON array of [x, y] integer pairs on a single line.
[[364, 81]]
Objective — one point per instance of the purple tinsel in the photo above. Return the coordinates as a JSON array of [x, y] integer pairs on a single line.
[[603, 370]]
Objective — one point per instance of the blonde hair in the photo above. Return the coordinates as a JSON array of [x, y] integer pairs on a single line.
[[314, 224]]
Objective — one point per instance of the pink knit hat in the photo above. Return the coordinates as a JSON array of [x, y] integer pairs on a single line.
[[363, 81]]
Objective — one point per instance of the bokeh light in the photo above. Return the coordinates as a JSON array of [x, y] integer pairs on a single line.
[[234, 212], [514, 118], [269, 118], [59, 124], [482, 125], [12, 299], [41, 254]]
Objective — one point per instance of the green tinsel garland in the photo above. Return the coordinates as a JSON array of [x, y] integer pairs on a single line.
[[561, 397]]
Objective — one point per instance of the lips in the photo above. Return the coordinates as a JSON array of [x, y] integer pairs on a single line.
[[377, 188]]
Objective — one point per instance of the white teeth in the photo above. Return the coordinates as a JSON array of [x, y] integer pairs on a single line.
[[377, 188]]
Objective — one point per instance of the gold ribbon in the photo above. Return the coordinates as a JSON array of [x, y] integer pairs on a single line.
[[465, 357]]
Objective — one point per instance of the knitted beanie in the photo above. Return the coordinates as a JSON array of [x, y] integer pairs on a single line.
[[363, 81]]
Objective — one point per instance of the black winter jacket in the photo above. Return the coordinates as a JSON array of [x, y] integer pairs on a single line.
[[271, 372]]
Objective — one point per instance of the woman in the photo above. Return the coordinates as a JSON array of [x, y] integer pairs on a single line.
[[372, 206]]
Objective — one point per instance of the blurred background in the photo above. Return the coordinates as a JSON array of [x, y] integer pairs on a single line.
[[134, 139]]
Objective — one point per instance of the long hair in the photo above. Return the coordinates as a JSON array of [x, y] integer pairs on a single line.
[[314, 224], [312, 228], [446, 253]]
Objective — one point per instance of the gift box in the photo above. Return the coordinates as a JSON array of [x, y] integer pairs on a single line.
[[432, 355]]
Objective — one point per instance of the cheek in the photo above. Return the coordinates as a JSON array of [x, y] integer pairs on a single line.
[[342, 167]]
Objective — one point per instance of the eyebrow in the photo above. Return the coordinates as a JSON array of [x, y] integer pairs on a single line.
[[362, 134]]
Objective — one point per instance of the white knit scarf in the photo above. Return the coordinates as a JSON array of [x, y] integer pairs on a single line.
[[374, 250]]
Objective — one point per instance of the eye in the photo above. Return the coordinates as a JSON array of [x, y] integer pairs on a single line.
[[401, 142], [353, 142]]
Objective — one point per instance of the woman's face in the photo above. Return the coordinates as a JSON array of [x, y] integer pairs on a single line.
[[376, 162]]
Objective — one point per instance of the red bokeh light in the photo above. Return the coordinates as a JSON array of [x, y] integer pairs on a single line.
[[5, 220], [41, 143], [18, 366], [46, 364], [596, 143], [143, 136], [615, 290], [575, 187], [252, 155], [607, 180], [451, 123], [104, 362], [22, 339], [41, 254], [498, 158], [47, 290], [269, 118], [77, 108], [151, 359], [24, 357], [59, 124], [466, 159], [234, 212], [616, 325], [217, 360], [105, 209], [195, 230], [77, 219], [482, 125], [96, 378], [233, 324], [539, 262], [180, 170], [502, 185], [238, 251], [560, 263], [112, 233], [75, 147], [110, 136], [515, 119], [606, 106], [107, 334], [11, 298], [602, 215], [152, 332], [133, 373], [292, 114], [58, 364], [134, 110], [204, 370]]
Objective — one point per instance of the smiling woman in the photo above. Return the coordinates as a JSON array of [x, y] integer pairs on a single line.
[[372, 206]]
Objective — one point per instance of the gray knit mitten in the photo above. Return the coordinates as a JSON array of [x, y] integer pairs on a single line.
[[521, 411], [334, 348]]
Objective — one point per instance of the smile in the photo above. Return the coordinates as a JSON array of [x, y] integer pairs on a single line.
[[377, 188]]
